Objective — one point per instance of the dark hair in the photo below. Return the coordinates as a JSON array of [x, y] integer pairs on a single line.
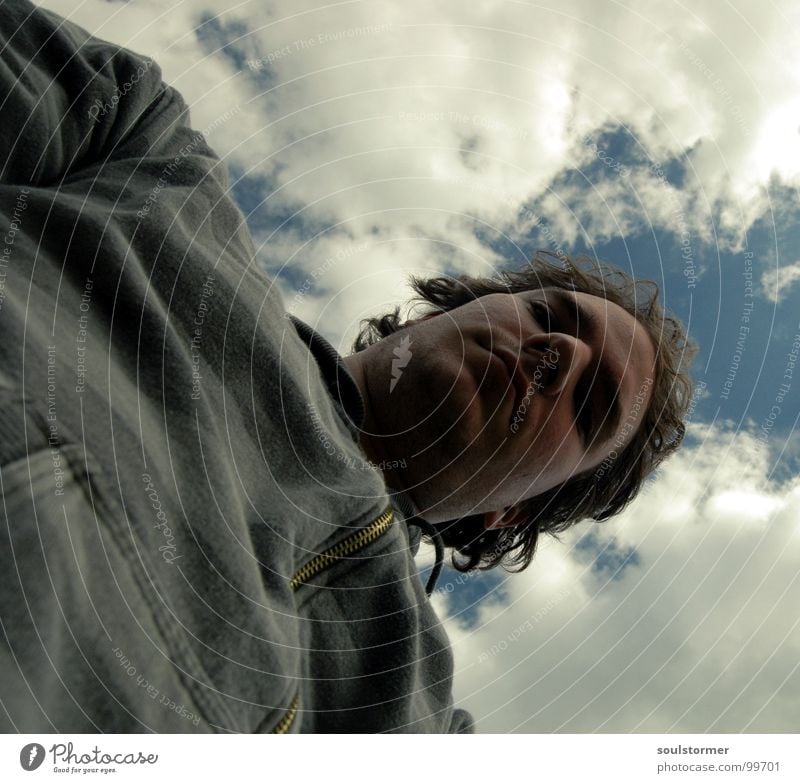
[[606, 490]]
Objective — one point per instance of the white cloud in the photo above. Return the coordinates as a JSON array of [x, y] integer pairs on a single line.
[[416, 122], [701, 634], [774, 282]]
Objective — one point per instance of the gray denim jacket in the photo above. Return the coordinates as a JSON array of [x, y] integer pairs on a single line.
[[192, 538]]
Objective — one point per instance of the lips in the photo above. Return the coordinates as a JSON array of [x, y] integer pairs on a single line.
[[515, 372], [512, 371], [504, 375]]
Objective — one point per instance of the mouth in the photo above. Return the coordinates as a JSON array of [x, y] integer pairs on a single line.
[[512, 373]]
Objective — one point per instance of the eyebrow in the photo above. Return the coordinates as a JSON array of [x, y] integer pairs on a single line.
[[608, 382]]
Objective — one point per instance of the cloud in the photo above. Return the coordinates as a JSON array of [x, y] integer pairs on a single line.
[[776, 282], [428, 130], [698, 632]]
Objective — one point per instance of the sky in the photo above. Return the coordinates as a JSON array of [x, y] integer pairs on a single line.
[[370, 140]]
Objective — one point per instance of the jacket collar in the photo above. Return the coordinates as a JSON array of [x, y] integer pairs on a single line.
[[340, 383]]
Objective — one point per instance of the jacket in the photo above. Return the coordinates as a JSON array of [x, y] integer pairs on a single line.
[[193, 538]]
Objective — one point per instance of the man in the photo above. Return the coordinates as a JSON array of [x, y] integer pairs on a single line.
[[196, 536], [550, 394]]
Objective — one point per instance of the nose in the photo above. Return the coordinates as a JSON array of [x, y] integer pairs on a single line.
[[570, 355]]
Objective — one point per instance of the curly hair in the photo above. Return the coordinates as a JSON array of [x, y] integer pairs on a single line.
[[606, 490]]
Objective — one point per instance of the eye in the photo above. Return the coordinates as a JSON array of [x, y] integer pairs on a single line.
[[543, 315]]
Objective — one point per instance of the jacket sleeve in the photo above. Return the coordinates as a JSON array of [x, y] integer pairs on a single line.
[[68, 99]]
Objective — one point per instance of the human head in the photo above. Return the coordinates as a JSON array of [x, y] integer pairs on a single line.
[[608, 485]]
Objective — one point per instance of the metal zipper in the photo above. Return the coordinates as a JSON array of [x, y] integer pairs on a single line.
[[347, 546], [286, 721], [319, 563]]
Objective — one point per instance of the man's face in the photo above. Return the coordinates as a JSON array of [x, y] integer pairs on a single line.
[[504, 398]]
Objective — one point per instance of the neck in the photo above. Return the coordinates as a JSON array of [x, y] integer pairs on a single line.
[[371, 443]]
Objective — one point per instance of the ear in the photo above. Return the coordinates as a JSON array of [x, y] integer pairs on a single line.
[[508, 517]]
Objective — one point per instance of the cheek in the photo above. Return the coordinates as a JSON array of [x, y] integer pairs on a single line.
[[552, 442], [557, 431]]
